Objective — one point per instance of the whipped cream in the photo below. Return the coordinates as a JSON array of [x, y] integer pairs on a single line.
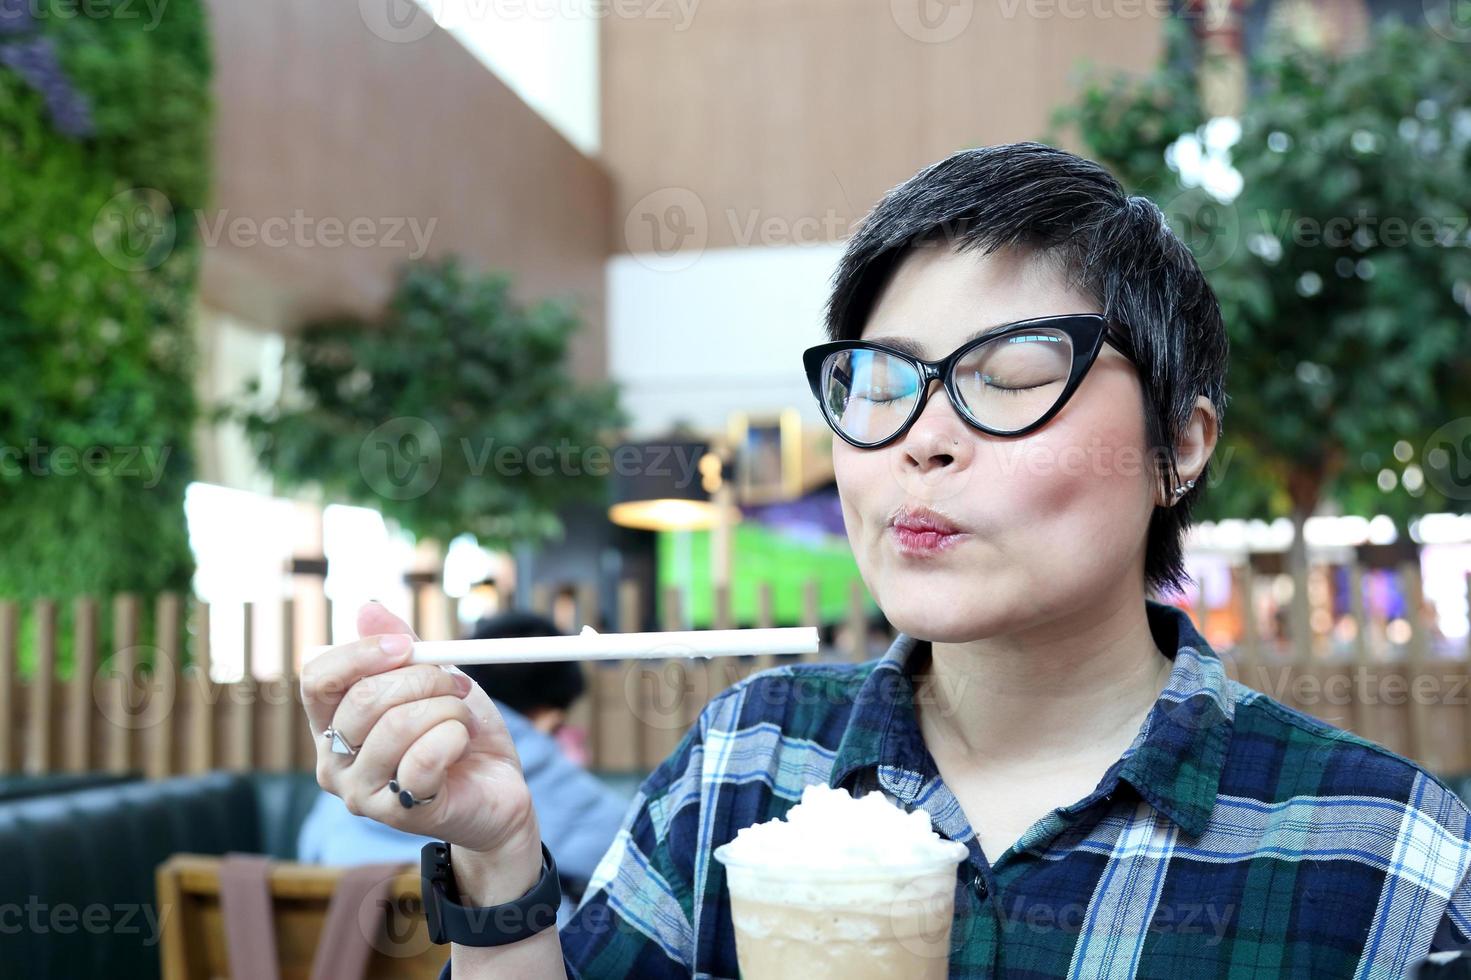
[[829, 828]]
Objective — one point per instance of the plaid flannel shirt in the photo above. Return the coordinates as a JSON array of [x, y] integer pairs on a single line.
[[1235, 837]]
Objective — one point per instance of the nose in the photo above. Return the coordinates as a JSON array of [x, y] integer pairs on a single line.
[[938, 439]]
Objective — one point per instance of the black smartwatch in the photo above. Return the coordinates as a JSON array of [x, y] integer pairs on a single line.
[[496, 925]]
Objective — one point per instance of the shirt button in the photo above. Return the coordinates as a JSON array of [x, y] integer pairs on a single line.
[[980, 885]]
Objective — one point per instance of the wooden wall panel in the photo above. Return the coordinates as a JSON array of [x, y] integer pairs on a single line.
[[779, 121], [317, 113]]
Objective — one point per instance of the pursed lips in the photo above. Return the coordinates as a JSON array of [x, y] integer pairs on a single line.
[[920, 531]]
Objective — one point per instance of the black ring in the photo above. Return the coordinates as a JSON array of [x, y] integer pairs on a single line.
[[407, 799]]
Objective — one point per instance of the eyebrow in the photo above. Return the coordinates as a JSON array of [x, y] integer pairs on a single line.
[[914, 349]]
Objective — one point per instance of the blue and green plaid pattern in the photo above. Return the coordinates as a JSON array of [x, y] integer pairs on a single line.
[[1235, 837]]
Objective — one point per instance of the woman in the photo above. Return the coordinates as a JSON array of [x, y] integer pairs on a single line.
[[1128, 810]]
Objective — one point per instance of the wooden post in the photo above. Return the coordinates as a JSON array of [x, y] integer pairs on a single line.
[[1251, 661], [203, 695], [766, 619], [158, 733], [78, 742], [416, 612], [720, 607], [1421, 747], [9, 631], [450, 607], [630, 606], [811, 611], [765, 606], [618, 740], [703, 674], [662, 691], [240, 741], [541, 599], [118, 736], [588, 605], [1303, 646], [722, 672], [1361, 665], [43, 686], [686, 681], [857, 623], [584, 712], [278, 754]]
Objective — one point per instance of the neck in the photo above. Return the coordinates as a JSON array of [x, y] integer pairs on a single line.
[[1071, 687]]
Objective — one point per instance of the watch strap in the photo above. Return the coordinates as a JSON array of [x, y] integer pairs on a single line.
[[494, 925]]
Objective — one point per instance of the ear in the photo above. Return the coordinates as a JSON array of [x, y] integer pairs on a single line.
[[1193, 450]]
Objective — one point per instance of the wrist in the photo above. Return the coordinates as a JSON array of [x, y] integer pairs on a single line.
[[486, 878]]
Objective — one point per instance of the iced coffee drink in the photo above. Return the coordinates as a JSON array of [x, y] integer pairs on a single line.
[[856, 889]]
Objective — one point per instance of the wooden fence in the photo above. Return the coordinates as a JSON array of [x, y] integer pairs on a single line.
[[113, 715]]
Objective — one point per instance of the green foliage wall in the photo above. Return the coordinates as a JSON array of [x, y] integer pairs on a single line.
[[98, 274]]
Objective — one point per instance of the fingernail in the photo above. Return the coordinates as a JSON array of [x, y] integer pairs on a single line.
[[463, 683], [395, 644]]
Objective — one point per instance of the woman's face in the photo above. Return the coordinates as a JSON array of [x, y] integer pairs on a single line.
[[1052, 522]]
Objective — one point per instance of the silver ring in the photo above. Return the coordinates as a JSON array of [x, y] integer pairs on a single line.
[[339, 744], [406, 799]]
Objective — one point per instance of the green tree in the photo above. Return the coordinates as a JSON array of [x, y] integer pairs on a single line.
[[1342, 265], [451, 413]]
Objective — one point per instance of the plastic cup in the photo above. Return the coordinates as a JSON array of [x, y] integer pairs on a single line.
[[853, 923]]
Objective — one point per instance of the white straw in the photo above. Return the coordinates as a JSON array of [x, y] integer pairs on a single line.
[[591, 645]]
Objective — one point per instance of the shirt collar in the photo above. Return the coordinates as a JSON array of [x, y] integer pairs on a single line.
[[1174, 762]]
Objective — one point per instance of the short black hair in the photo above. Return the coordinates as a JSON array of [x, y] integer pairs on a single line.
[[524, 688], [1117, 248]]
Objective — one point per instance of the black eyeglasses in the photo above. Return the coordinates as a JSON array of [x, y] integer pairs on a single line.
[[1009, 381]]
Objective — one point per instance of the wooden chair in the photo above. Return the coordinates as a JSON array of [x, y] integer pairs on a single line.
[[217, 924]]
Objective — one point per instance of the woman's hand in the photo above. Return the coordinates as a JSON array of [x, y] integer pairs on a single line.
[[433, 730]]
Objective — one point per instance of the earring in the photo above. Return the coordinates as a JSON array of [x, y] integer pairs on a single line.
[[1181, 491]]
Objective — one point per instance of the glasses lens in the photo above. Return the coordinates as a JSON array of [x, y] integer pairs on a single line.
[[1011, 382], [868, 394]]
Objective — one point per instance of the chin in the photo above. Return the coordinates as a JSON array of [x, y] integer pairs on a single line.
[[929, 611]]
